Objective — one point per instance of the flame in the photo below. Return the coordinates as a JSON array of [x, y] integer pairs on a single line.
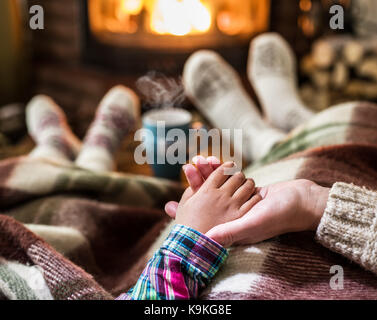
[[132, 7], [180, 17]]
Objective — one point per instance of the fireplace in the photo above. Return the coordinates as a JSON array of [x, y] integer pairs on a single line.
[[142, 35], [88, 46]]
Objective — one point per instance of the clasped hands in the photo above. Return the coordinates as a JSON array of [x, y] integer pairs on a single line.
[[232, 210]]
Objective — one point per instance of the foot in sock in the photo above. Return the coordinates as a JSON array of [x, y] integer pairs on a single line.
[[216, 90], [116, 116], [47, 125], [272, 72]]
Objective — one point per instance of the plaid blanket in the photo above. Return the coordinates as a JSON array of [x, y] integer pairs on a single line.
[[66, 233], [339, 144], [103, 223]]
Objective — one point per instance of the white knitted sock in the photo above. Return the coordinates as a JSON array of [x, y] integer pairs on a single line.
[[216, 90], [116, 116], [272, 72], [47, 125]]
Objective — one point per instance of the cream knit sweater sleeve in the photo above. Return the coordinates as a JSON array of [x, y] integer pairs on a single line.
[[349, 224]]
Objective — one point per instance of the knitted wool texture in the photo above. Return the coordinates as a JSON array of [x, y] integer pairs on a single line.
[[349, 225]]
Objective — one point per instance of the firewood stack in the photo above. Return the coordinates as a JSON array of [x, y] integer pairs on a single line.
[[339, 69]]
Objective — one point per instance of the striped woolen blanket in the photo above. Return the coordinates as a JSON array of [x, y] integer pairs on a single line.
[[100, 223], [59, 221]]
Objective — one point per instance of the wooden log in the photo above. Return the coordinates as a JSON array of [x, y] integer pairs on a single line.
[[326, 50], [361, 89], [340, 75], [356, 49], [321, 78], [307, 65], [353, 52], [368, 68]]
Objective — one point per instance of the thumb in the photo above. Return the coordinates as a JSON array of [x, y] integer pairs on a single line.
[[172, 206], [171, 209], [228, 233], [256, 226]]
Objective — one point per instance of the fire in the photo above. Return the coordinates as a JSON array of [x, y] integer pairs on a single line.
[[217, 21], [131, 7], [180, 17]]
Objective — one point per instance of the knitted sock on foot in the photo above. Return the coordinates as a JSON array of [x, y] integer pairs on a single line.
[[216, 90], [116, 116], [272, 72], [47, 125]]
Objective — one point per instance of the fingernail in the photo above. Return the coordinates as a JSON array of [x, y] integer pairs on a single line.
[[213, 159], [199, 160]]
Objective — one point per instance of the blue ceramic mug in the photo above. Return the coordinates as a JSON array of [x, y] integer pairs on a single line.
[[160, 125]]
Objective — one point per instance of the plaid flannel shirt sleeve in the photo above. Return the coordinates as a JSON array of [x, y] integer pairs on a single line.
[[185, 264]]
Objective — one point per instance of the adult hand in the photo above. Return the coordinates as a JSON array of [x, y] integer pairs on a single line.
[[285, 207]]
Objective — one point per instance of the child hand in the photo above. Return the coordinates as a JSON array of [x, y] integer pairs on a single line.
[[195, 176], [220, 199]]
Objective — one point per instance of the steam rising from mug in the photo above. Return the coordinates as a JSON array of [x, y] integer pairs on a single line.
[[160, 91]]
